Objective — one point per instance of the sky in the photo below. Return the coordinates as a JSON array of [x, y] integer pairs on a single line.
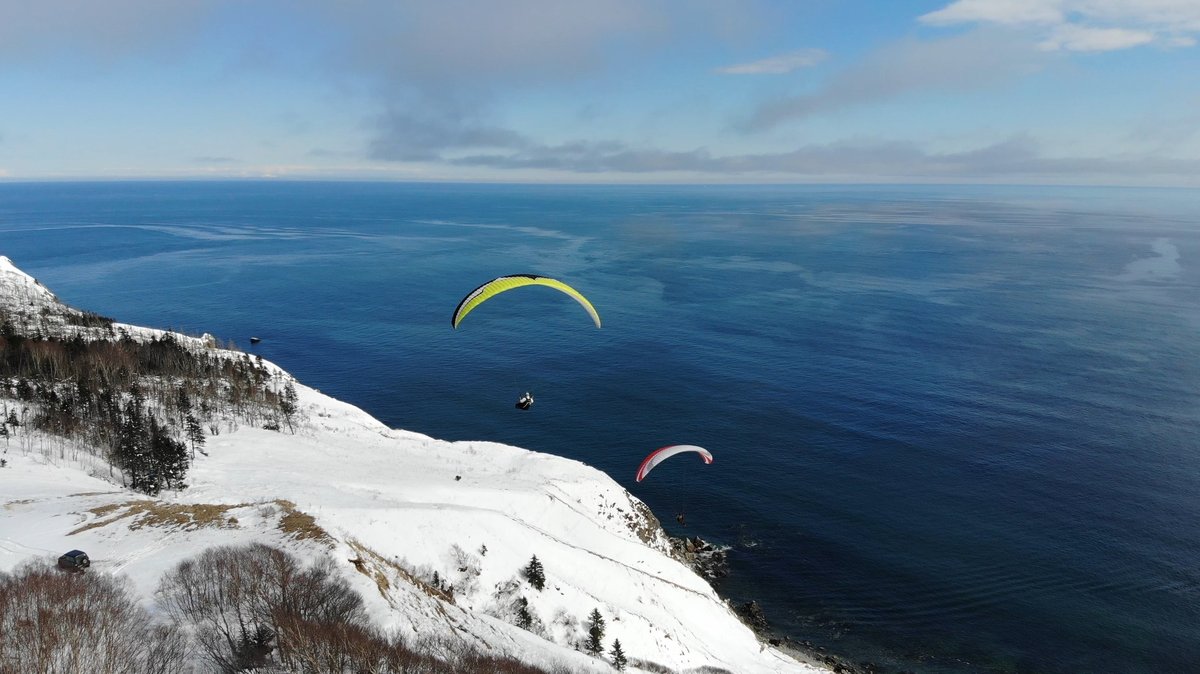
[[1102, 92]]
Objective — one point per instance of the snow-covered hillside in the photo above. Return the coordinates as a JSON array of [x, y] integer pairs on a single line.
[[391, 508]]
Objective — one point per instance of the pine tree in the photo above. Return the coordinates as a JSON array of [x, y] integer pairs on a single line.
[[524, 617], [535, 574], [183, 403], [132, 452], [595, 640], [168, 455], [288, 404], [195, 433], [618, 656]]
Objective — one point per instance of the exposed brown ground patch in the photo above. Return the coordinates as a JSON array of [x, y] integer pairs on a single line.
[[190, 516], [103, 510], [299, 525], [377, 567], [185, 516]]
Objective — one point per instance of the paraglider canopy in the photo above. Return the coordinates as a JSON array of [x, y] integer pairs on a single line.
[[505, 283], [662, 454]]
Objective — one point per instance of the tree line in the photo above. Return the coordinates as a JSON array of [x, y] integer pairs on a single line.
[[144, 404]]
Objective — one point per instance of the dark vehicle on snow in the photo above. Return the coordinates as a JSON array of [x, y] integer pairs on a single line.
[[75, 560]]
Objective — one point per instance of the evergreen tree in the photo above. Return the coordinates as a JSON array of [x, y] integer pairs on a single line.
[[288, 404], [524, 617], [595, 640], [618, 656], [169, 457], [132, 452], [183, 403], [535, 574], [195, 433]]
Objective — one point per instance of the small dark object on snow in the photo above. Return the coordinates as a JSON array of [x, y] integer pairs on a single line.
[[457, 478], [525, 402], [75, 560], [255, 340]]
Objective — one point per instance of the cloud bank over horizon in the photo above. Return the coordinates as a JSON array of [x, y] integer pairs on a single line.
[[1064, 91], [1083, 25]]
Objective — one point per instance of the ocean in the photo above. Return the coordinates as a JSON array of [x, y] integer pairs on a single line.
[[955, 429]]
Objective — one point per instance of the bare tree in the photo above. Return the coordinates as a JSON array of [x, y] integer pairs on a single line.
[[87, 622], [214, 594], [253, 604]]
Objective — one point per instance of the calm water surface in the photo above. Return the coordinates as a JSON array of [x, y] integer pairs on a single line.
[[955, 429]]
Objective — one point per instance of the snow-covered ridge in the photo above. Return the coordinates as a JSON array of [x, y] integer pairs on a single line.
[[391, 508], [31, 305]]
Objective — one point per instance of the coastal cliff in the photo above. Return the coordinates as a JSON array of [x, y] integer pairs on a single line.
[[433, 535]]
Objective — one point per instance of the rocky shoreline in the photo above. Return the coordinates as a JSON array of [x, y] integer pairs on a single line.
[[712, 563], [706, 559]]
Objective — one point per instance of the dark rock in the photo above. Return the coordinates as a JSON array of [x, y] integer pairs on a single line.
[[751, 613], [703, 557]]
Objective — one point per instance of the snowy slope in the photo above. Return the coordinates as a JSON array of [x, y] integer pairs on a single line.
[[391, 507]]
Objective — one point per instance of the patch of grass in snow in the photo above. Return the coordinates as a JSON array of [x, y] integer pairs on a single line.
[[301, 526], [376, 567], [186, 516], [103, 510]]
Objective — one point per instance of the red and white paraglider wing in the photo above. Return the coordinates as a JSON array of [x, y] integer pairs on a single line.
[[662, 454]]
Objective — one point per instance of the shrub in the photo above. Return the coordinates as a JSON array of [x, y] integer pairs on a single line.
[[244, 603], [82, 622]]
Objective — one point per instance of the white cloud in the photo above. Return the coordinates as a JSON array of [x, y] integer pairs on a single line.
[[105, 31], [1007, 12], [955, 64], [1072, 37], [1166, 15], [1083, 25], [441, 66], [778, 65], [1020, 159]]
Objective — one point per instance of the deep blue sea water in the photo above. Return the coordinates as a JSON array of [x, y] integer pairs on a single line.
[[956, 429]]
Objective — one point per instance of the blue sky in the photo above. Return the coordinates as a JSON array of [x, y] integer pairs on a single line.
[[708, 91]]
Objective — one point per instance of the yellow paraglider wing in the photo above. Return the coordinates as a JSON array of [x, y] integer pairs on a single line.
[[496, 286]]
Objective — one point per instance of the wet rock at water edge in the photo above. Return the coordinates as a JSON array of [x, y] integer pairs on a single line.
[[752, 614]]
